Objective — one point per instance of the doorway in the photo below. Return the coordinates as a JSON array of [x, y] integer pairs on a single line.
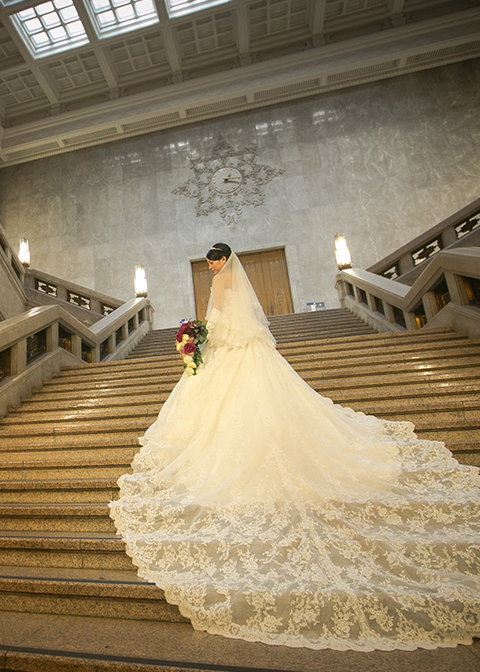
[[266, 270]]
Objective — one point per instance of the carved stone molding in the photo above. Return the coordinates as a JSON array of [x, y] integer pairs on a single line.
[[227, 180]]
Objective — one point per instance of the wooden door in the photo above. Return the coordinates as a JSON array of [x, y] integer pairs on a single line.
[[266, 270]]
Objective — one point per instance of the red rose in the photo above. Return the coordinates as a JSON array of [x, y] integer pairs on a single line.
[[189, 347]]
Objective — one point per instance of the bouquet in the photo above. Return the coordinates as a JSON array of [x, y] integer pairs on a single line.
[[190, 336]]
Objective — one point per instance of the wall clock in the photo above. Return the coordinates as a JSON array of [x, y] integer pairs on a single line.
[[227, 181]]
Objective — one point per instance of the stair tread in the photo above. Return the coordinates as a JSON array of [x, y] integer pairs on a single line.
[[61, 445]]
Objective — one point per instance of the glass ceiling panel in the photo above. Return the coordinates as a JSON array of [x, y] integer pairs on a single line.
[[182, 7], [120, 16], [51, 27]]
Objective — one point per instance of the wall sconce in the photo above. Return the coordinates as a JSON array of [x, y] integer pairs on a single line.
[[140, 281], [24, 253], [342, 253]]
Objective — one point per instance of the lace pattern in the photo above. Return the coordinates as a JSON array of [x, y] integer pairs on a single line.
[[266, 512]]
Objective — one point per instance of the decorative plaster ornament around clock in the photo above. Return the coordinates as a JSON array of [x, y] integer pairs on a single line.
[[227, 181]]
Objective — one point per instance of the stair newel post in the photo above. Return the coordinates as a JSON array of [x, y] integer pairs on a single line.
[[112, 345], [456, 288], [149, 314], [52, 337], [410, 321], [371, 302], [389, 312], [77, 346], [18, 355], [430, 305], [449, 236], [406, 263]]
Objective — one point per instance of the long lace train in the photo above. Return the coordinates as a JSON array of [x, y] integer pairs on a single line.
[[266, 512]]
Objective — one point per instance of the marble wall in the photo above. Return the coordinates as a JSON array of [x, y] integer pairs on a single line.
[[381, 163]]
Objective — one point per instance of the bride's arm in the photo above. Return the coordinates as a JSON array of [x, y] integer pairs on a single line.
[[218, 290]]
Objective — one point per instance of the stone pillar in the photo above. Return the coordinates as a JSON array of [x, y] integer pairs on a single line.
[[430, 305], [389, 314], [449, 236], [456, 289], [52, 337], [77, 346], [18, 357]]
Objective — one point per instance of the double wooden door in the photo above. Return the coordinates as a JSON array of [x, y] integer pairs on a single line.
[[266, 270]]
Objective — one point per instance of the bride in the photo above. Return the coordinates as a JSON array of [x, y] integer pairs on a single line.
[[268, 513]]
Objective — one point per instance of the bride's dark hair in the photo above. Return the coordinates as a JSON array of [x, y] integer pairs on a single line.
[[218, 251]]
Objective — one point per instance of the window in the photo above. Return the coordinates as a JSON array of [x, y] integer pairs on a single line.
[[183, 7], [50, 27], [119, 16]]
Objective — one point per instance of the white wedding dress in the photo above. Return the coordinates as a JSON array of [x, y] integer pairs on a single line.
[[267, 513]]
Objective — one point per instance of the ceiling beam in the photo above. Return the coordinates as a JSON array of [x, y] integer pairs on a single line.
[[242, 33], [104, 62], [317, 21], [169, 40]]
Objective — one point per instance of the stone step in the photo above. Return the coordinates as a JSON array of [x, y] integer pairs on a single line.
[[377, 340], [331, 367], [110, 383], [466, 452], [64, 491], [85, 517], [395, 352], [450, 431], [153, 386], [432, 368], [125, 408], [429, 410], [102, 593], [75, 430], [100, 391], [107, 414], [70, 449], [126, 400], [160, 364], [94, 467], [465, 389], [148, 397], [58, 549]]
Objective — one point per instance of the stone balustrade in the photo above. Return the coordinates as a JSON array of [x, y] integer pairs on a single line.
[[446, 294], [461, 229], [87, 305], [35, 344]]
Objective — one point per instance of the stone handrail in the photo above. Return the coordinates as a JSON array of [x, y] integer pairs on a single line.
[[461, 229], [446, 294], [35, 344]]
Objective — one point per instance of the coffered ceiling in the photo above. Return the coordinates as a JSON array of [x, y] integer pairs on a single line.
[[75, 73]]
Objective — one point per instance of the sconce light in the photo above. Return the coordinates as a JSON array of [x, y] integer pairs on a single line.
[[342, 253], [140, 281], [24, 253]]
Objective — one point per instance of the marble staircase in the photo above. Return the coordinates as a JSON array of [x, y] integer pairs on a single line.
[[63, 450]]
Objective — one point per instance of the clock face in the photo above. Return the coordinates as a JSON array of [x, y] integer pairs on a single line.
[[226, 180]]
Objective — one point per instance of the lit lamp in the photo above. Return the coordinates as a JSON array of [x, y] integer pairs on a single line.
[[140, 281], [24, 253], [342, 253]]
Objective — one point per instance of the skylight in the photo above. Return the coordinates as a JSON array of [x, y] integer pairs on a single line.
[[118, 16], [182, 7], [51, 26]]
